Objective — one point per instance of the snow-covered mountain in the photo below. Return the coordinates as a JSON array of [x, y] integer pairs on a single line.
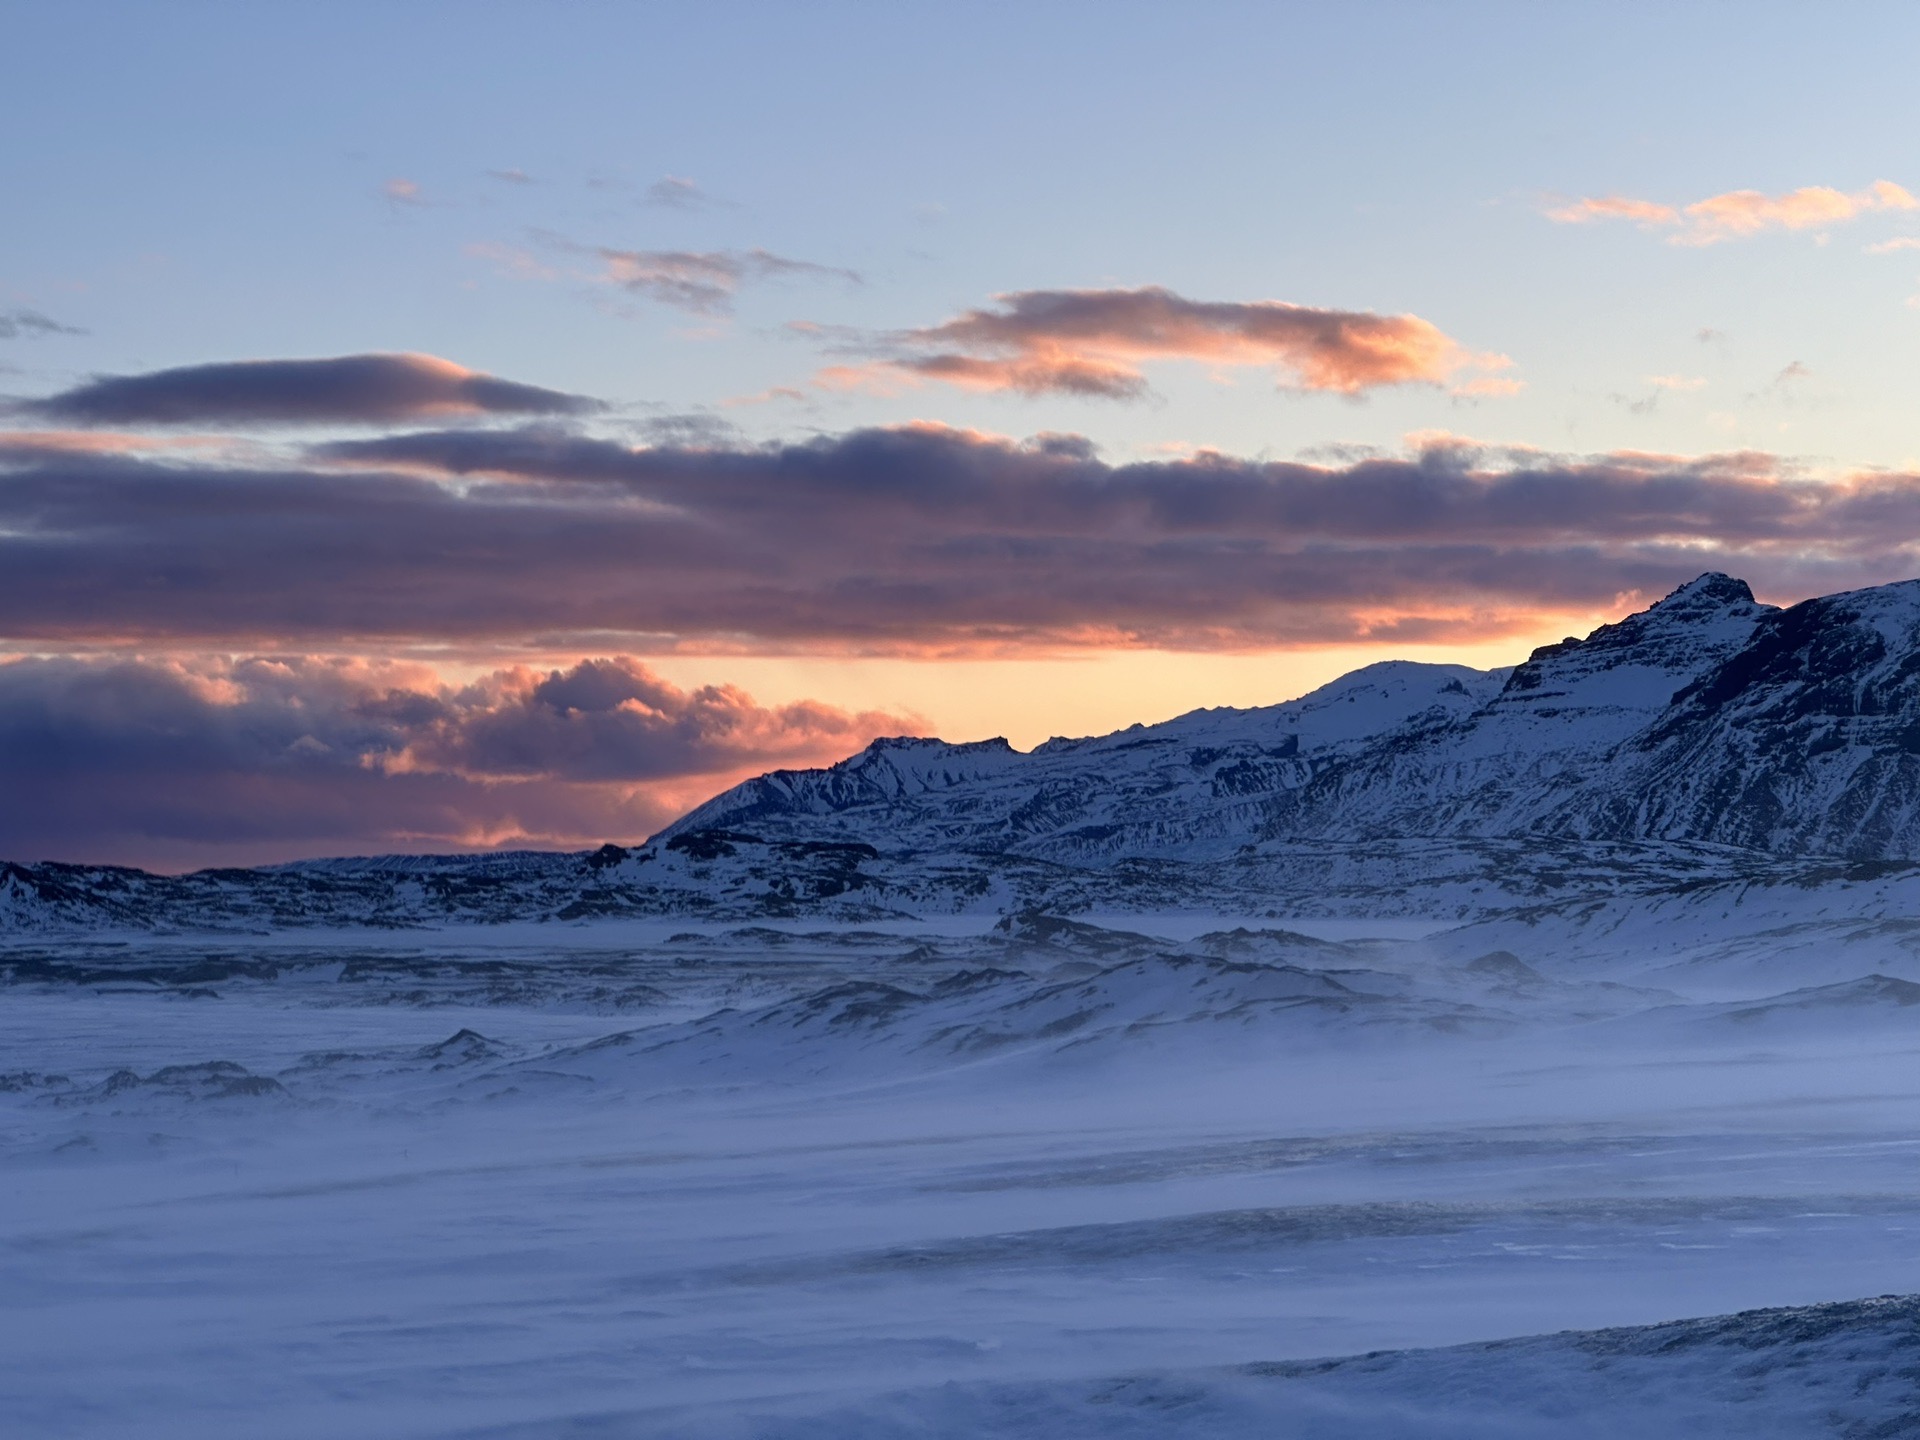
[[1197, 786], [1708, 740], [1707, 717]]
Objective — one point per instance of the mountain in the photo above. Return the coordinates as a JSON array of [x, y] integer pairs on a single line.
[[1197, 786], [1707, 718], [1563, 730], [1708, 741]]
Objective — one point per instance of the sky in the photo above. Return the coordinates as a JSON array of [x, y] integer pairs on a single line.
[[441, 427]]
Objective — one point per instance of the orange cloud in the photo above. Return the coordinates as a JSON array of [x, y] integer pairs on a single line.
[[1489, 387], [1614, 207], [1736, 214], [1093, 343]]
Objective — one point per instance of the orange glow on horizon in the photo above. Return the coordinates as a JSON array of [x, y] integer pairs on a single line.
[[1034, 698]]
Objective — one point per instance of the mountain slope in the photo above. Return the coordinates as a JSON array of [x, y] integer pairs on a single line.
[[1195, 787], [1530, 758], [1807, 740]]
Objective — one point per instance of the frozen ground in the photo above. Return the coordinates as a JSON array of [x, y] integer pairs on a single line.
[[1045, 1180]]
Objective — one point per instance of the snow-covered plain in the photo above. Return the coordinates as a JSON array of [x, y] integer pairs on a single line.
[[1043, 1178]]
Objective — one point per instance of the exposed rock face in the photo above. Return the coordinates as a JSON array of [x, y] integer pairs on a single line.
[[1807, 740], [1557, 743]]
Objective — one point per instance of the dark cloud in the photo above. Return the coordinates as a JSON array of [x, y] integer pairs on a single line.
[[703, 281], [897, 540], [347, 389], [15, 324], [1092, 343], [690, 428], [198, 762]]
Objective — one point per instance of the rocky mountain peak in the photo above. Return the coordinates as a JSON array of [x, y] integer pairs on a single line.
[[1714, 590], [1634, 666]]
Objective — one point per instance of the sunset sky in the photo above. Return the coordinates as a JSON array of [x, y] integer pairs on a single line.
[[430, 427]]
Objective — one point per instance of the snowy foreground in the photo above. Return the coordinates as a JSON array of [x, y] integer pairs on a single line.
[[1040, 1179]]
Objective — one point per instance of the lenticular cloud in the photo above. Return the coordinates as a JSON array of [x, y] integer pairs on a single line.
[[346, 389]]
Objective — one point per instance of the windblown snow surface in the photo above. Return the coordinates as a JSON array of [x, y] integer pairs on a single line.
[[1545, 1042], [1033, 1177]]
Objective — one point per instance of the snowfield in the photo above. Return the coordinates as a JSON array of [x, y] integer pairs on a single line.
[[1037, 1177]]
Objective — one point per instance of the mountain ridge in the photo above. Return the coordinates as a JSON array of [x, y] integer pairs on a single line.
[[1707, 717], [1754, 736]]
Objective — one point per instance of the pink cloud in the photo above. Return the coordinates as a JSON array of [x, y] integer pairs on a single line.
[[210, 759], [1614, 207], [1737, 214], [1092, 343]]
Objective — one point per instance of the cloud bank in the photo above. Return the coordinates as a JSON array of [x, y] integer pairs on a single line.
[[202, 761], [1737, 214], [1092, 343], [347, 389], [905, 541]]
